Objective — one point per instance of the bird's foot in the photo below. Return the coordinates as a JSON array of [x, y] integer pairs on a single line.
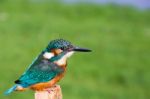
[[49, 91], [52, 89]]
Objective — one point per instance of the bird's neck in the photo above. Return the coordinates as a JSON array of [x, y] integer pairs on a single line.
[[57, 57], [60, 59], [63, 60]]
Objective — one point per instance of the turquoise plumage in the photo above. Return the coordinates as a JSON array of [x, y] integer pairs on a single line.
[[45, 69], [40, 71], [13, 88]]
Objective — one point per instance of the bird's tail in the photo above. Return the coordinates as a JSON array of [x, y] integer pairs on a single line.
[[10, 90]]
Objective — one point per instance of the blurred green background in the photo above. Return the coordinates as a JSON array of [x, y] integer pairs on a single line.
[[118, 67]]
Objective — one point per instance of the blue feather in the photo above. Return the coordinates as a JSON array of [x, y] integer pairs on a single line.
[[10, 90]]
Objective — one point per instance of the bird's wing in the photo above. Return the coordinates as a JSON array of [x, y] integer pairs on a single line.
[[41, 70]]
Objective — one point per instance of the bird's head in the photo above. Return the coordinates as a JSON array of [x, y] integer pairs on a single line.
[[61, 49]]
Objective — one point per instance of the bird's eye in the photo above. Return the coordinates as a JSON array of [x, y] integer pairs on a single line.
[[62, 48]]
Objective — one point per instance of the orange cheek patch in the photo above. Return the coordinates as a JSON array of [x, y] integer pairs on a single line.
[[56, 51]]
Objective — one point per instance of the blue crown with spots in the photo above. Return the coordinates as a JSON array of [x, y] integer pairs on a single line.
[[59, 44]]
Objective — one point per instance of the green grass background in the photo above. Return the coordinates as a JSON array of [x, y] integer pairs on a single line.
[[118, 67]]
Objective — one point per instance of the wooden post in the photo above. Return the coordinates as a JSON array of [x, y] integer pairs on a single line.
[[50, 93]]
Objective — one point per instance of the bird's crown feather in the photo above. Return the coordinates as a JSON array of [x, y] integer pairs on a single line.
[[59, 43]]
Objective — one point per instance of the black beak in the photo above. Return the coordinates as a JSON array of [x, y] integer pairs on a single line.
[[78, 49]]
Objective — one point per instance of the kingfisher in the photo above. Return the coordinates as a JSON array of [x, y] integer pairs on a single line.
[[47, 68]]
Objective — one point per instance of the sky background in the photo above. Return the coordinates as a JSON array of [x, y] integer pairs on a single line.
[[137, 3]]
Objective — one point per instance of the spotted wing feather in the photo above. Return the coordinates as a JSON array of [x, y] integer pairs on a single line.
[[41, 70]]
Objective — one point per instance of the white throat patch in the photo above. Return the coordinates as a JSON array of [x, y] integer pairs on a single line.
[[48, 55], [69, 54], [62, 61]]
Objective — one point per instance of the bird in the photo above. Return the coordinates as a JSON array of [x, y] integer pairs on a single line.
[[47, 68]]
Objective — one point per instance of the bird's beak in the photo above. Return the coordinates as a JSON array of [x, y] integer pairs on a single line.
[[78, 49]]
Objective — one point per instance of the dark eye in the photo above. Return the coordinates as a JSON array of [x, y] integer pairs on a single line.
[[62, 48]]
